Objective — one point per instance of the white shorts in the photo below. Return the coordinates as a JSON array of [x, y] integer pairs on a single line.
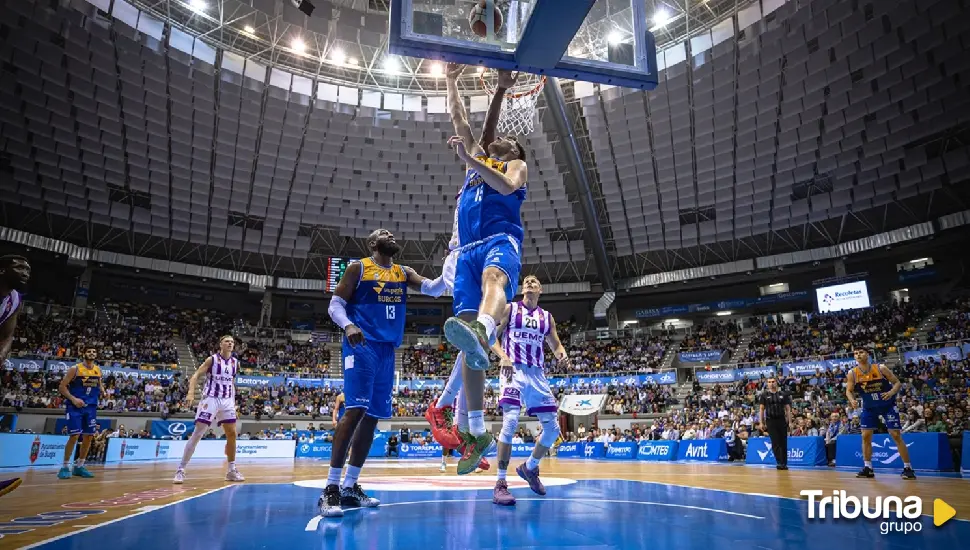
[[529, 388], [448, 270], [221, 410]]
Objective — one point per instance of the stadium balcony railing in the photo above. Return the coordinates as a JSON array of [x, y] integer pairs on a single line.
[[52, 362]]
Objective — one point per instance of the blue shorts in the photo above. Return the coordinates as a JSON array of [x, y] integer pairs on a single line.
[[82, 421], [869, 419], [369, 377], [500, 251]]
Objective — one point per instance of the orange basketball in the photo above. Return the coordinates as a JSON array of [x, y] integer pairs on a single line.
[[478, 22]]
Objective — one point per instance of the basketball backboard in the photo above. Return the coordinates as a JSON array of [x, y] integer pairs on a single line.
[[603, 41]]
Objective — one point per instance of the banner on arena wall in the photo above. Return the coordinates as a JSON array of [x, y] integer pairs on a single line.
[[61, 366], [802, 451], [316, 382], [657, 450], [29, 365], [700, 356], [622, 450], [953, 353], [723, 305], [715, 376], [121, 449], [966, 452], [259, 381], [581, 449], [927, 451], [522, 449], [314, 450], [31, 450], [703, 450], [582, 405], [144, 374], [410, 450], [754, 373], [809, 368], [589, 381], [176, 429]]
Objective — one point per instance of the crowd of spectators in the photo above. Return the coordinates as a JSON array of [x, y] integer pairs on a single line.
[[712, 335], [124, 333], [952, 326], [22, 389]]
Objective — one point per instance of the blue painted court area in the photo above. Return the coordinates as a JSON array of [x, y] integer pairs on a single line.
[[585, 514]]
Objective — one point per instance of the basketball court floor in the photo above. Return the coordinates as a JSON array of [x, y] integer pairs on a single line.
[[590, 504]]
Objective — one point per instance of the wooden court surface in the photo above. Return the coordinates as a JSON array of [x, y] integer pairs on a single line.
[[127, 489]]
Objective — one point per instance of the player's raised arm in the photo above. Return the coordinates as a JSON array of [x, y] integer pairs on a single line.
[[69, 375], [514, 178], [506, 79], [338, 304], [457, 108], [194, 380], [428, 287], [558, 350]]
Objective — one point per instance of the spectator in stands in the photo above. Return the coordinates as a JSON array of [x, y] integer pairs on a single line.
[[392, 446]]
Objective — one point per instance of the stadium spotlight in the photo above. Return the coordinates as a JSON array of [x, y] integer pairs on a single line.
[[338, 56], [615, 37], [303, 6], [437, 69], [198, 6], [390, 64], [298, 45], [661, 17], [249, 29]]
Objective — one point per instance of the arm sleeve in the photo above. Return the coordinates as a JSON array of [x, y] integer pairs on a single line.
[[434, 287], [338, 312]]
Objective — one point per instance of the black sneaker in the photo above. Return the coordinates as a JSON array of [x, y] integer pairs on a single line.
[[329, 502], [355, 497], [908, 473], [866, 472], [781, 467]]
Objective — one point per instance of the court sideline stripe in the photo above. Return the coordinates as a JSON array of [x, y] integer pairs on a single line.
[[315, 520], [116, 520]]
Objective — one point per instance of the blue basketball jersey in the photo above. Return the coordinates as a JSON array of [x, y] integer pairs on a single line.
[[379, 302], [86, 385], [871, 386], [484, 212]]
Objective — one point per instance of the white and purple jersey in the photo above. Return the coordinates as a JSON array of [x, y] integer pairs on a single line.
[[525, 336], [9, 305], [221, 382]]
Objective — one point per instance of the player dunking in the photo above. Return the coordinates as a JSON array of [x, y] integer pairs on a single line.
[[440, 415], [524, 328], [218, 403], [82, 387], [14, 276], [490, 232], [878, 386], [369, 304]]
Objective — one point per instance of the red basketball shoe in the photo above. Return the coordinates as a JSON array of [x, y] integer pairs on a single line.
[[441, 419]]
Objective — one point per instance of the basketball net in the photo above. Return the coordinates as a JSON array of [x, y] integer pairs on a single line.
[[518, 116]]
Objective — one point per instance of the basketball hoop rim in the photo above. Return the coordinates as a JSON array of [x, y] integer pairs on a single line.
[[489, 89]]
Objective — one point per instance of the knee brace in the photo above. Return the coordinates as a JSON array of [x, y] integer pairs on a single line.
[[510, 421], [550, 429]]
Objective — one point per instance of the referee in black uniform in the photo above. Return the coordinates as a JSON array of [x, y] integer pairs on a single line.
[[775, 413]]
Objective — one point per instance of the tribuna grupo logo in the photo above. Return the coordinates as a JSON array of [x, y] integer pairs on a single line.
[[897, 514]]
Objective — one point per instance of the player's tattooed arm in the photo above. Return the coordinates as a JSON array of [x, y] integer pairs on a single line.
[[850, 389], [428, 287], [456, 108], [194, 380]]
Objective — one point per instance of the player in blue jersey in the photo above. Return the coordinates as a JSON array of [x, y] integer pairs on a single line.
[[878, 387], [82, 387], [369, 304], [488, 222]]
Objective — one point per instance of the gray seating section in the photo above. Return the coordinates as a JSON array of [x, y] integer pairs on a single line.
[[844, 94], [166, 136]]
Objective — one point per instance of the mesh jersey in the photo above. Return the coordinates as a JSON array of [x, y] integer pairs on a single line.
[[871, 386], [525, 335], [379, 303], [221, 382], [86, 385], [483, 212]]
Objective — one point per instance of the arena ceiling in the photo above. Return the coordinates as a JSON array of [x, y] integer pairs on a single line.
[[806, 124]]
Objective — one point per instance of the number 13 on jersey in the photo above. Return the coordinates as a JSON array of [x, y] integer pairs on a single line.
[[391, 312]]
